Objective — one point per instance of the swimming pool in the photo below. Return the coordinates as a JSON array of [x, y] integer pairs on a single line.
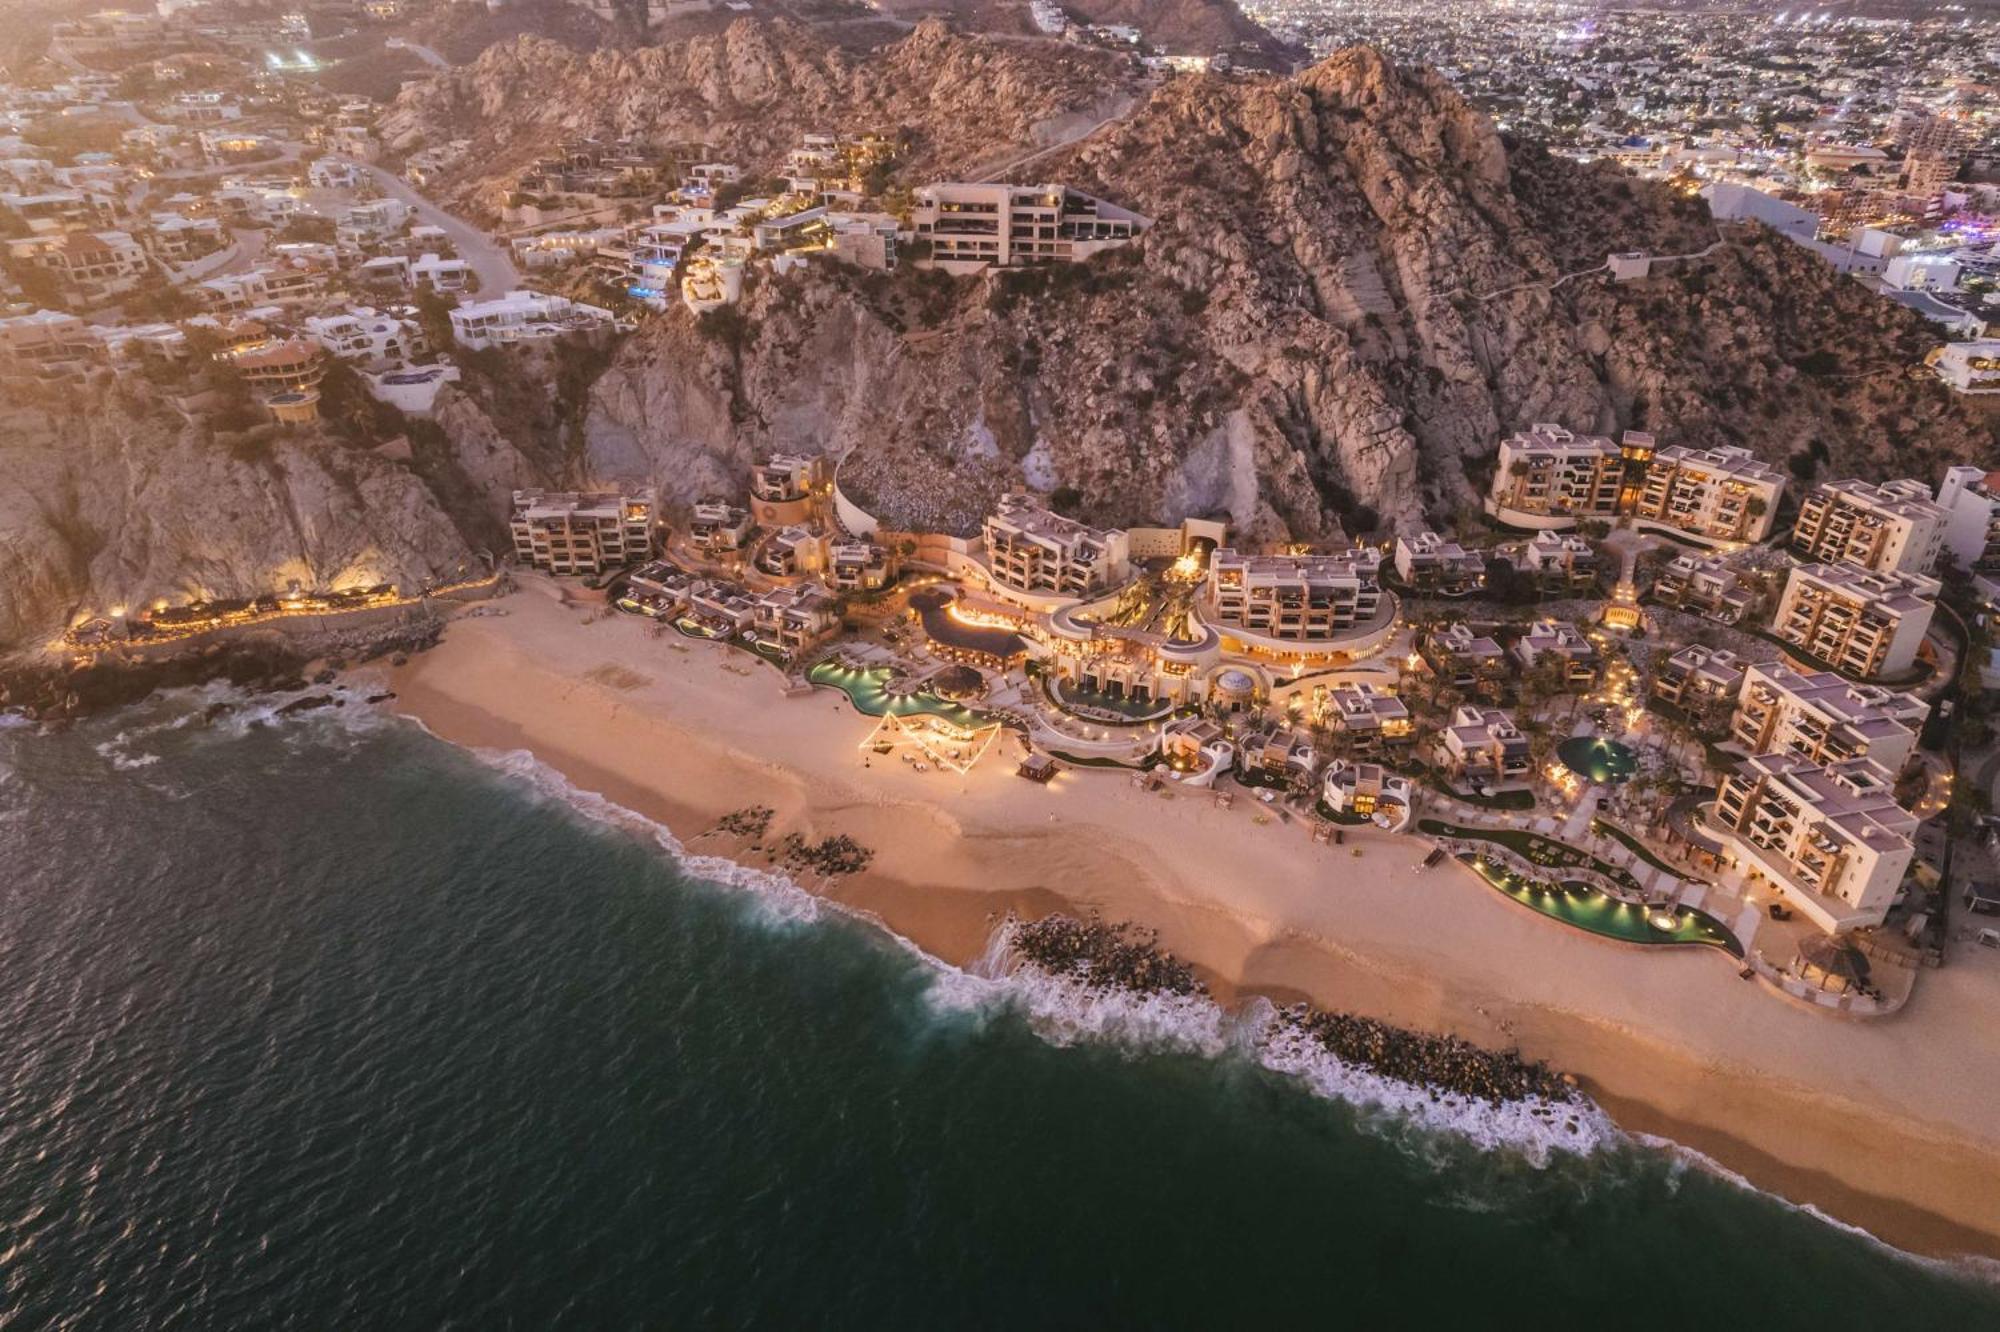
[[1586, 908], [867, 688]]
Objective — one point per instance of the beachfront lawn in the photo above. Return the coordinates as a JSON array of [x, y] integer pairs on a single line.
[[1343, 817], [1635, 846], [1544, 852]]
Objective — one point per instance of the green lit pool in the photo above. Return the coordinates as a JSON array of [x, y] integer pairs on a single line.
[[865, 687], [1588, 909], [1596, 759]]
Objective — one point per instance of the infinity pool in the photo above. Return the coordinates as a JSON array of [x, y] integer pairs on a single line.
[[1596, 759], [866, 688], [1588, 909]]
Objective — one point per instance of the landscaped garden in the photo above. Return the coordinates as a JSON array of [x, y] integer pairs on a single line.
[[1544, 852]]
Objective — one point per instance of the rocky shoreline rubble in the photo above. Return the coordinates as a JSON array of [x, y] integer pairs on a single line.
[[1122, 957], [259, 664]]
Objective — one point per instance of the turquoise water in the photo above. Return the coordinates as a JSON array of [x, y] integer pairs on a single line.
[[864, 687], [323, 1024]]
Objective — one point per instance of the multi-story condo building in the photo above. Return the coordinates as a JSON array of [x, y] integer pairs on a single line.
[[1825, 718], [1831, 837], [859, 566], [1699, 677], [1557, 560], [784, 488], [791, 619], [1484, 745], [1548, 477], [969, 225], [1464, 659], [792, 551], [1426, 560], [717, 526], [1720, 494], [91, 265], [1706, 586], [1970, 497], [571, 532], [1556, 647], [1031, 550], [1863, 622], [1373, 717], [1894, 527], [1296, 598]]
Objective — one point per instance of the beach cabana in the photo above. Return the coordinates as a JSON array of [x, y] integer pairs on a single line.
[[1831, 965]]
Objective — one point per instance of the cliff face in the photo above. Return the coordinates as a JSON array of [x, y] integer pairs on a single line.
[[750, 92], [116, 506], [1350, 293]]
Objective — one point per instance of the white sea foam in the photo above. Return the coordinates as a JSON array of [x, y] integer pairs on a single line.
[[1973, 1266]]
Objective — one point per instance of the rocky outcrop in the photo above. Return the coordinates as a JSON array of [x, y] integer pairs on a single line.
[[124, 503], [1352, 290], [749, 92]]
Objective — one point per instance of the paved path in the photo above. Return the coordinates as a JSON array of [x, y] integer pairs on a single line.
[[1122, 108], [423, 53], [493, 264]]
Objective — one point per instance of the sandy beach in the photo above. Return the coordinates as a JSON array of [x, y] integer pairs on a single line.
[[1892, 1125]]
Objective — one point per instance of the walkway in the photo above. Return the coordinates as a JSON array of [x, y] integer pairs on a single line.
[[1122, 107], [1605, 267]]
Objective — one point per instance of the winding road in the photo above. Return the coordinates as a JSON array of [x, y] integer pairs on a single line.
[[492, 262]]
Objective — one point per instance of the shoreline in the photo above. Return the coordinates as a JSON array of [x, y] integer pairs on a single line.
[[1257, 910]]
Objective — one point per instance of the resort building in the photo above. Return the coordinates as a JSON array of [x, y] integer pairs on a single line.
[[1427, 561], [1859, 621], [1197, 749], [783, 489], [1464, 659], [1484, 746], [792, 552], [970, 226], [1031, 550], [1275, 752], [1970, 497], [1372, 716], [1699, 677], [720, 609], [658, 589], [1369, 791], [570, 532], [524, 316], [717, 526], [859, 566], [1295, 598], [1895, 527], [1555, 649], [1548, 477], [1831, 837], [1558, 561], [792, 619], [1825, 718], [1719, 494], [1703, 585]]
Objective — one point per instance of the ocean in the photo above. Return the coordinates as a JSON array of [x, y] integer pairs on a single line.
[[318, 1022]]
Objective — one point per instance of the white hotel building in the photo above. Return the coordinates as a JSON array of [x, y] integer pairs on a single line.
[[1720, 494], [1032, 551], [1822, 717], [1895, 527], [567, 532], [1864, 622], [1294, 598], [1548, 477], [1831, 837]]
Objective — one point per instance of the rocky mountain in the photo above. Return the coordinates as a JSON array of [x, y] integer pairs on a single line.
[[1353, 288], [751, 91], [115, 505]]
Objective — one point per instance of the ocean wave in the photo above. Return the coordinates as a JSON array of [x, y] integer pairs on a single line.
[[1966, 1267]]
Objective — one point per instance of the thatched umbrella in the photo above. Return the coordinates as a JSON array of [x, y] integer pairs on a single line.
[[1832, 965]]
